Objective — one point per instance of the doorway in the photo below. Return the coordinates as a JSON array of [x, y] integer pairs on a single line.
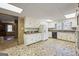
[[8, 31]]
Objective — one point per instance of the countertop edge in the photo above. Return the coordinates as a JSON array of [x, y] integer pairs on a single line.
[[62, 30]]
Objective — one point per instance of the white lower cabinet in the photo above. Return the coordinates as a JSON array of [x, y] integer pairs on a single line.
[[73, 37], [49, 34], [31, 38], [68, 36], [59, 35]]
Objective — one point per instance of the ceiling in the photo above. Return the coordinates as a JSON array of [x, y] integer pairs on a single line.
[[53, 11], [7, 17]]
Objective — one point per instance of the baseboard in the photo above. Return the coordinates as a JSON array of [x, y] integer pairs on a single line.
[[66, 40], [33, 43]]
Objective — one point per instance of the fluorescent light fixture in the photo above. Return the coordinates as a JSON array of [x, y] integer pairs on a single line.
[[70, 15], [48, 20], [10, 7]]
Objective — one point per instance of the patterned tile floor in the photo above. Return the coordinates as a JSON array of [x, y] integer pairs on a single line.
[[51, 47]]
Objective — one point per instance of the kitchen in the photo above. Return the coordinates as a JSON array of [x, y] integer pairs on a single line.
[[38, 24], [65, 30]]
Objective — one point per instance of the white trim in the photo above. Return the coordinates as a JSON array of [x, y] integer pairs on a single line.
[[10, 7]]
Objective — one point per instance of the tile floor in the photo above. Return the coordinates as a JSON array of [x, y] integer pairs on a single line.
[[51, 47]]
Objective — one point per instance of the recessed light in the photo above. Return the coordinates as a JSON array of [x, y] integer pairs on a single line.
[[70, 15], [10, 7]]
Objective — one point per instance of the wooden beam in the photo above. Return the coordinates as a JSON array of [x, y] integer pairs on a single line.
[[20, 30]]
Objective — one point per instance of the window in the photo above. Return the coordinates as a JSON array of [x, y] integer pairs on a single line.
[[9, 28]]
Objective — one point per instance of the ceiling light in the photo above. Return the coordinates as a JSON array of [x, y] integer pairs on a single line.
[[48, 20], [10, 7], [70, 15]]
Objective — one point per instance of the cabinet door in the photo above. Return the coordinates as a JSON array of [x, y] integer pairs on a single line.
[[62, 36], [28, 39], [73, 37], [34, 37], [39, 37], [69, 35], [58, 35], [31, 38], [66, 36], [50, 34]]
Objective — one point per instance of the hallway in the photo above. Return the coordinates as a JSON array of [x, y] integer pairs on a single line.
[[51, 47]]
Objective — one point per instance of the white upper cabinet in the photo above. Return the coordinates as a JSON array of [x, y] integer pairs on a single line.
[[31, 22], [74, 22], [59, 26], [67, 24], [51, 25]]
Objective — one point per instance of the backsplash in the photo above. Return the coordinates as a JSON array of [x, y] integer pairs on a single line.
[[31, 30]]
